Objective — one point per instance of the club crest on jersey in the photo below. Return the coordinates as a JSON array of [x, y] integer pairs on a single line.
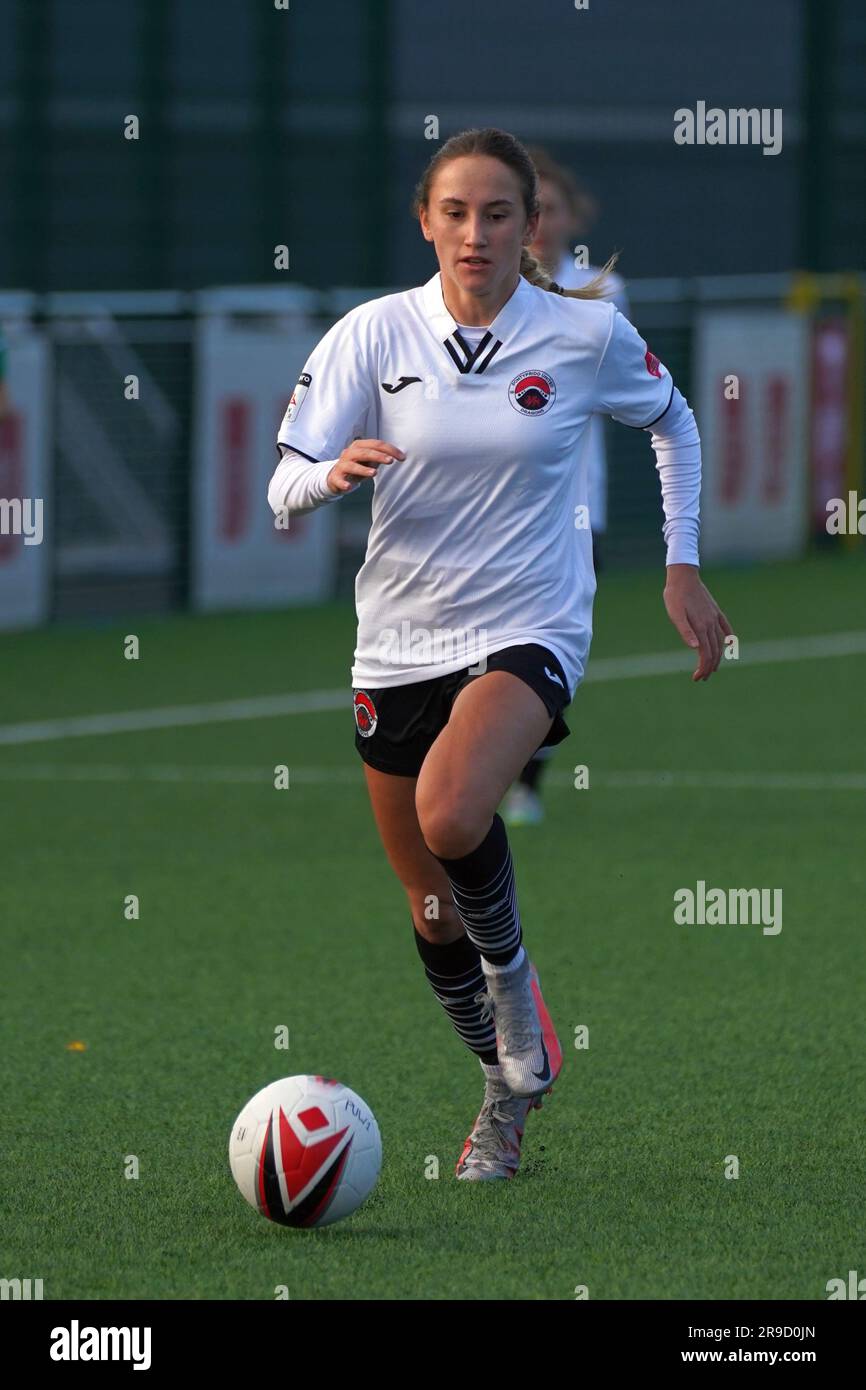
[[366, 717], [653, 365], [298, 395], [532, 393]]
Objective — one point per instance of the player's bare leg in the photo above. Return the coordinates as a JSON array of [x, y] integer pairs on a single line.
[[453, 968], [496, 722], [451, 962], [422, 876]]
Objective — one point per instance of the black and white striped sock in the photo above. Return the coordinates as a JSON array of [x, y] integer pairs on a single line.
[[455, 975], [485, 896]]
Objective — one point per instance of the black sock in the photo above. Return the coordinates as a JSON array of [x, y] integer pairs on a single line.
[[455, 975], [482, 885], [531, 774]]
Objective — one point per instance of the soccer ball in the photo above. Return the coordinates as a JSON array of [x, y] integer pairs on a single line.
[[305, 1151]]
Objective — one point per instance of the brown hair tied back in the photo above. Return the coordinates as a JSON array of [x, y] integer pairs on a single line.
[[498, 144]]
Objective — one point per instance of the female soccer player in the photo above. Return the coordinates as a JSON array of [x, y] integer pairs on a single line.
[[464, 400]]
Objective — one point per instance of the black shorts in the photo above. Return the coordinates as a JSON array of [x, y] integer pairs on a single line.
[[396, 725]]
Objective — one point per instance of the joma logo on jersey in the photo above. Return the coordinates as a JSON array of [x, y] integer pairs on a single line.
[[532, 393], [401, 384]]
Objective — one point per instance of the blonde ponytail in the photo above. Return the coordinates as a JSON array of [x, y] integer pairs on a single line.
[[533, 271]]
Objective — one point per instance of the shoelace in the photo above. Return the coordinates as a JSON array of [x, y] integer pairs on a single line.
[[485, 999], [491, 1138]]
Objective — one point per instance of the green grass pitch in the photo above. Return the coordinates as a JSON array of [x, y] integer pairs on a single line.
[[261, 907]]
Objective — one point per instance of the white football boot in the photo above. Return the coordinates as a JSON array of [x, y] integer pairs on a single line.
[[492, 1150], [529, 1051]]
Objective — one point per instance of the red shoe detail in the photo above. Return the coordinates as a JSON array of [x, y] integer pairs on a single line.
[[548, 1032]]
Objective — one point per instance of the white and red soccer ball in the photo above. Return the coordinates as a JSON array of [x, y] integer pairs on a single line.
[[305, 1151]]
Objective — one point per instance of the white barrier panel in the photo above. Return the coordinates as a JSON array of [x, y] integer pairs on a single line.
[[752, 377], [24, 474], [244, 378]]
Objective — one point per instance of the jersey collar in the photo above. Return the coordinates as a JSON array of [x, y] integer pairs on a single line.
[[444, 325]]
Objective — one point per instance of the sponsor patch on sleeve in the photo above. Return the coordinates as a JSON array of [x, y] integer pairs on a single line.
[[298, 395]]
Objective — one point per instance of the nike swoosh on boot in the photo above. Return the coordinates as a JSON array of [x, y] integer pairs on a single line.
[[544, 1074]]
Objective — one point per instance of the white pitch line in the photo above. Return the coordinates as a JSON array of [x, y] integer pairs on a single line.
[[353, 776], [179, 772], [751, 653], [724, 781], [319, 701], [175, 716]]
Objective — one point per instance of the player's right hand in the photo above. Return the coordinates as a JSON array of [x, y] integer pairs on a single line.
[[361, 459]]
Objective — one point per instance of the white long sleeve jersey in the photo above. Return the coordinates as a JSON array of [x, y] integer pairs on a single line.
[[480, 538]]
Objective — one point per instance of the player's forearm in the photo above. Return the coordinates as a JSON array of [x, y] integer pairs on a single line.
[[300, 485], [677, 447]]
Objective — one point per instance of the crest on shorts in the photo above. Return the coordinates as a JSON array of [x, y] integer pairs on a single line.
[[366, 717], [653, 365], [532, 393]]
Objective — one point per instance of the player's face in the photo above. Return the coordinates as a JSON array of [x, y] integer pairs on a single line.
[[556, 224], [477, 223]]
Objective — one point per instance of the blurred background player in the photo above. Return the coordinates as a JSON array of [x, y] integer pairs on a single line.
[[568, 211]]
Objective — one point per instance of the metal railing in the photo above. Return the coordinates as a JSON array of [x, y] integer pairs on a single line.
[[121, 477]]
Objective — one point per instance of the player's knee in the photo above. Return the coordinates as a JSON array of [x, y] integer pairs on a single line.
[[450, 829]]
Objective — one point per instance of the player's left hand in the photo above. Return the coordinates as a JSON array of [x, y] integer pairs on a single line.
[[697, 618]]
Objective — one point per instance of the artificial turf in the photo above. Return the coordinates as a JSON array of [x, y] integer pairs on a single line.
[[261, 907]]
